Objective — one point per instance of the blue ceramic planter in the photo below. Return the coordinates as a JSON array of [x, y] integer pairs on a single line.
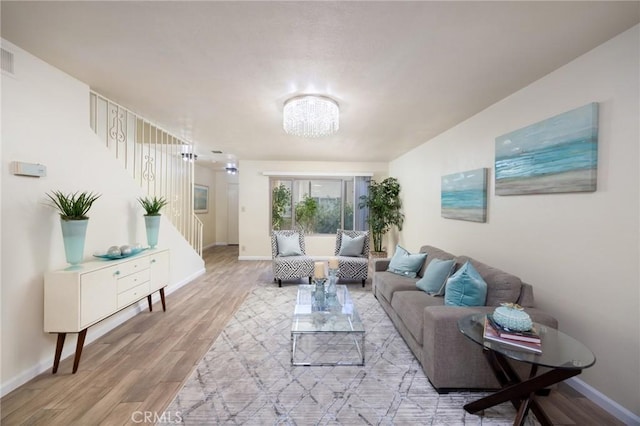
[[152, 223], [73, 234]]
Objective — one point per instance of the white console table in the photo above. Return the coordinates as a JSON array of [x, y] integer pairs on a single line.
[[77, 297]]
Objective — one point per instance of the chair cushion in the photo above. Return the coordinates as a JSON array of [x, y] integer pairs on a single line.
[[351, 246], [465, 288], [289, 245], [406, 264], [435, 276]]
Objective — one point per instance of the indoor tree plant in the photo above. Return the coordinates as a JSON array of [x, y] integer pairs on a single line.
[[152, 207], [384, 204], [73, 209]]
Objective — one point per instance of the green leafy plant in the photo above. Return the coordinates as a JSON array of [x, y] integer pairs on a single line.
[[384, 204], [73, 206], [280, 200], [306, 211], [152, 205]]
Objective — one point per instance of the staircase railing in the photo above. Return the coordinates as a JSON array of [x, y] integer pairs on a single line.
[[157, 160]]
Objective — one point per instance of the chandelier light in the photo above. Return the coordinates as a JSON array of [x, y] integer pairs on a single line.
[[311, 116]]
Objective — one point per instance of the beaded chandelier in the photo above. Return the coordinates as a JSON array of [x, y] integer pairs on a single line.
[[311, 116]]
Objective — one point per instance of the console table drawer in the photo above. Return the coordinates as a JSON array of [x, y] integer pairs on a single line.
[[133, 294], [132, 280], [134, 265]]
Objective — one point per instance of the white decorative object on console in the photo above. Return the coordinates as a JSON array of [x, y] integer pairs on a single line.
[[76, 298]]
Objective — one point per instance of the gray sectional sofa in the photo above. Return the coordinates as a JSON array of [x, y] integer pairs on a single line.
[[449, 359]]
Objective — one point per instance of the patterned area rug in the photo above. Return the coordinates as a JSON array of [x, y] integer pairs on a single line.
[[247, 378]]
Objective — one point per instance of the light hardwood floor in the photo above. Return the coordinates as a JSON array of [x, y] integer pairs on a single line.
[[139, 367]]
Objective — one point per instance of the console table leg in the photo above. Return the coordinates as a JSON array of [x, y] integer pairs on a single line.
[[164, 305], [149, 302], [59, 346], [79, 346]]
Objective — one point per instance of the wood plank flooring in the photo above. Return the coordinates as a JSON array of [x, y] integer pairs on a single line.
[[130, 375]]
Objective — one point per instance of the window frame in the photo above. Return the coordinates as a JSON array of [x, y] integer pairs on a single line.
[[295, 192]]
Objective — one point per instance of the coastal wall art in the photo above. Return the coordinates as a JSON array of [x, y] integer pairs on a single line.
[[463, 196], [559, 154]]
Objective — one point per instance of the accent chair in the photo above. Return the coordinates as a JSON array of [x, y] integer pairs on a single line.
[[288, 256], [352, 264]]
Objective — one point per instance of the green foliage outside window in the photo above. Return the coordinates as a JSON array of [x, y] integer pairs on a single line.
[[281, 200], [306, 211]]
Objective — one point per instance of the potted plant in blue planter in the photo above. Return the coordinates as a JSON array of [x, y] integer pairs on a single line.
[[73, 209], [152, 206]]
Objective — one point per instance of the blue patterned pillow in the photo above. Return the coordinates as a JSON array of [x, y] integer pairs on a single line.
[[289, 245], [465, 288], [405, 263], [435, 277]]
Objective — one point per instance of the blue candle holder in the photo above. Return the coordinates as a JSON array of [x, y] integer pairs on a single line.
[[319, 292], [333, 279]]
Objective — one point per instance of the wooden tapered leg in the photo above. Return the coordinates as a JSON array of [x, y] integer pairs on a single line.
[[164, 305], [59, 346], [149, 302], [363, 283], [79, 346]]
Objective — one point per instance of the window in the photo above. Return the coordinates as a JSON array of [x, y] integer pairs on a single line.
[[318, 206]]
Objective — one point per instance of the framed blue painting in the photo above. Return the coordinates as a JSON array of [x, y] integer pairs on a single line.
[[559, 154], [463, 196]]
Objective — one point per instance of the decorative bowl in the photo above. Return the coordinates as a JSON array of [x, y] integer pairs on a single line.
[[513, 317]]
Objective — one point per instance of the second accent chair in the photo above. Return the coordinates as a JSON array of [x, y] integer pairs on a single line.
[[288, 256], [352, 251]]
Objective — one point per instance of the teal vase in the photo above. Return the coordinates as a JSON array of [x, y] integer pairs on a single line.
[[152, 223], [73, 234]]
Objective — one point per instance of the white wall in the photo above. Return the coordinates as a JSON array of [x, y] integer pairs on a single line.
[[580, 250], [223, 180], [46, 120], [255, 240], [207, 177]]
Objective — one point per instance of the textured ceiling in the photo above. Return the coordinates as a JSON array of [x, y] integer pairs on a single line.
[[218, 73]]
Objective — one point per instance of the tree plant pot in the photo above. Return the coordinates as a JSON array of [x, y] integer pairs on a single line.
[[73, 235]]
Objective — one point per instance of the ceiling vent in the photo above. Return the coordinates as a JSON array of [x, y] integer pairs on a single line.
[[7, 61]]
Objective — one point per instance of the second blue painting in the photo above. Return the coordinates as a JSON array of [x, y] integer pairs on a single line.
[[463, 196]]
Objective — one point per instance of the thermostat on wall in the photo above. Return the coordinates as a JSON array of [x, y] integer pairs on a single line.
[[29, 169]]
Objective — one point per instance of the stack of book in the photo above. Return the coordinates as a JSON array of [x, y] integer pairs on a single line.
[[524, 340]]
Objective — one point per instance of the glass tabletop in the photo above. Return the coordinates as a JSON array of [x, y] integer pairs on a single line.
[[559, 350], [334, 315]]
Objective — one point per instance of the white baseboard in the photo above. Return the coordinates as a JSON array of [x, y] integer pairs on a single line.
[[254, 257], [221, 243], [94, 332], [606, 403]]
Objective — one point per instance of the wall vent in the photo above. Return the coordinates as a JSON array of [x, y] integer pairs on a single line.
[[216, 151], [6, 59]]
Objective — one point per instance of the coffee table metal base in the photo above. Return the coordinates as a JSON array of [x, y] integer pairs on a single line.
[[327, 348]]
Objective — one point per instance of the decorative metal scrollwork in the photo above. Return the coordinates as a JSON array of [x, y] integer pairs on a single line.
[[149, 173], [116, 131]]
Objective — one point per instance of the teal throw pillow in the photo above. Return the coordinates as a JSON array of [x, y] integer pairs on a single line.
[[405, 263], [289, 245], [435, 277], [351, 246], [465, 288]]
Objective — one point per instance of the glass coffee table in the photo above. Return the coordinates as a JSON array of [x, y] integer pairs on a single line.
[[326, 332], [563, 355]]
